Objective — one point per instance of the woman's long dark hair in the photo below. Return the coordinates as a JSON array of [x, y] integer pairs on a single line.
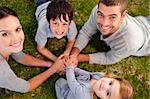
[[5, 12]]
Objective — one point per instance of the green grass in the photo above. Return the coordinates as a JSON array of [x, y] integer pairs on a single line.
[[134, 69]]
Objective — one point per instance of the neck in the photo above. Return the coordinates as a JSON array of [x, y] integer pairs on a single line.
[[5, 55]]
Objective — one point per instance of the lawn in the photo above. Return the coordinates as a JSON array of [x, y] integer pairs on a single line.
[[134, 69]]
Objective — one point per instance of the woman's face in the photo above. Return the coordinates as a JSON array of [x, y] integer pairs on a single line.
[[107, 88], [11, 35]]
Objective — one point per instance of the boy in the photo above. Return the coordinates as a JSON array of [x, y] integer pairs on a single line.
[[55, 20]]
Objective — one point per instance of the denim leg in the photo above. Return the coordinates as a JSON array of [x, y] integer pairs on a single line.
[[39, 2]]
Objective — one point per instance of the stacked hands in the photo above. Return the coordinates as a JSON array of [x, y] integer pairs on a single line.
[[64, 61]]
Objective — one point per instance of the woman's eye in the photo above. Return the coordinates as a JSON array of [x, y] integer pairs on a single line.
[[18, 29]]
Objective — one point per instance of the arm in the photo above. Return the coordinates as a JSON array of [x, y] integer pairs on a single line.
[[69, 46], [29, 60], [85, 34], [10, 81], [114, 55], [76, 88], [44, 51], [39, 79], [79, 71], [41, 39]]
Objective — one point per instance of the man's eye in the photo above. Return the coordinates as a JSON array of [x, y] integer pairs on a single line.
[[113, 17]]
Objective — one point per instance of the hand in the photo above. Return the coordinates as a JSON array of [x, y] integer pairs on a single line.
[[75, 51], [61, 70], [59, 63], [64, 55], [71, 60]]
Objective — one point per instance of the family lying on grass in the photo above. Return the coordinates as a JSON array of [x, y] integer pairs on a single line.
[[126, 36]]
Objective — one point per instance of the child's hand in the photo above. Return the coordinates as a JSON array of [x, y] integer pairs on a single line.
[[71, 60]]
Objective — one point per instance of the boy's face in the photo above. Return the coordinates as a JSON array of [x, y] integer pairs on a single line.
[[11, 35], [109, 18], [59, 27], [107, 88]]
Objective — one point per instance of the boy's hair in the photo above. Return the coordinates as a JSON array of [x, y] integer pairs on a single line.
[[5, 12], [126, 90], [57, 8], [122, 3]]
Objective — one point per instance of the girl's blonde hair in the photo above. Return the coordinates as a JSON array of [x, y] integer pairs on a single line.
[[126, 90]]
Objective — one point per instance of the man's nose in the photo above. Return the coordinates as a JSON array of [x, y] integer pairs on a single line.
[[105, 21]]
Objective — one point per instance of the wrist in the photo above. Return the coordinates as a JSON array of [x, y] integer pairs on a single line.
[[70, 67], [49, 64]]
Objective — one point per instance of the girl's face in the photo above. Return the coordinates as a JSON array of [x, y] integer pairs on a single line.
[[11, 35], [107, 88], [59, 27]]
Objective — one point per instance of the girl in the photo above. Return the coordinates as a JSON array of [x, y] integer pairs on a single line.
[[82, 84], [11, 44]]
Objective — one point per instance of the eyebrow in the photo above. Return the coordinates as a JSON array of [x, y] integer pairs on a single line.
[[108, 15], [3, 31], [8, 30]]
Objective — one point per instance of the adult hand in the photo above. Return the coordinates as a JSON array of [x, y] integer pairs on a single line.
[[71, 61]]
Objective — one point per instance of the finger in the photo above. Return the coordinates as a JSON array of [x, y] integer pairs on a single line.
[[61, 56]]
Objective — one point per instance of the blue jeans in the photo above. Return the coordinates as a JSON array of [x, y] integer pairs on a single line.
[[39, 2]]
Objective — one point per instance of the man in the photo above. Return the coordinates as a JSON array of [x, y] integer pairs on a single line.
[[126, 35]]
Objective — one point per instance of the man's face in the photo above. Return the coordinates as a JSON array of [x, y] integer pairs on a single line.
[[59, 27], [109, 18]]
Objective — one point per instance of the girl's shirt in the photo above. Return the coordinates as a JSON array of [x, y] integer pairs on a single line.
[[8, 78], [79, 82], [43, 30]]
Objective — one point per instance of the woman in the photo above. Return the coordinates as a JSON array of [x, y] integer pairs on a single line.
[[11, 44]]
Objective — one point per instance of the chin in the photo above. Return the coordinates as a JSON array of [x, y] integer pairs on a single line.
[[17, 50], [59, 37]]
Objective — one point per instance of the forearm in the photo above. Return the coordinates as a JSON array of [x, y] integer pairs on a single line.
[[79, 71], [75, 51], [39, 79], [69, 46], [106, 58], [32, 61], [47, 53], [83, 58]]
